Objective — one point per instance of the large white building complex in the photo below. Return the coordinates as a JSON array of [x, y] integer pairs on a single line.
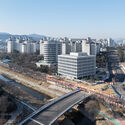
[[50, 48], [76, 65], [22, 45]]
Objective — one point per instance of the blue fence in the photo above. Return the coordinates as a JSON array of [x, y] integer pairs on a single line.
[[116, 91]]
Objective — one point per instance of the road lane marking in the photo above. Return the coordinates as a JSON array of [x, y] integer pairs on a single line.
[[36, 121]]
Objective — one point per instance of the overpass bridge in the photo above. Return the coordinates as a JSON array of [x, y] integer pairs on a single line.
[[50, 112]]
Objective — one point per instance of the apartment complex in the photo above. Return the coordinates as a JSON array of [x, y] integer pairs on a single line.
[[10, 45], [76, 65], [89, 47], [22, 45]]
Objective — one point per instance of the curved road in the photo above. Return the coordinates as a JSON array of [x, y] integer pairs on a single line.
[[54, 111]]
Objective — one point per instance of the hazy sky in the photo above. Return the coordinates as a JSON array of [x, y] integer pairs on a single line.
[[59, 18]]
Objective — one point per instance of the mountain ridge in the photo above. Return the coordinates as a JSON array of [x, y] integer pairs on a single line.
[[4, 36]]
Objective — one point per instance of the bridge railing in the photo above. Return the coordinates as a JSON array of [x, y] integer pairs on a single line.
[[68, 109], [47, 105]]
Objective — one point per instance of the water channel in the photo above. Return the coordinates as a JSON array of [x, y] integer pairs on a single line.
[[34, 93]]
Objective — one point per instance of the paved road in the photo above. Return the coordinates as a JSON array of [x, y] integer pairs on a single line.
[[119, 76], [49, 115]]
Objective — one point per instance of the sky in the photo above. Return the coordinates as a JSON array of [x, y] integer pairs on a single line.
[[64, 18]]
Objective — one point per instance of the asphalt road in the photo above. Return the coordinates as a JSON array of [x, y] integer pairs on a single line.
[[53, 112], [119, 76]]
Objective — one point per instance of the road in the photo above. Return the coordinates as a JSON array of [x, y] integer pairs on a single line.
[[15, 114], [53, 112], [118, 76]]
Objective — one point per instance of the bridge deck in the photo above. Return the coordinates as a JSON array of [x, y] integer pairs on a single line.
[[49, 115]]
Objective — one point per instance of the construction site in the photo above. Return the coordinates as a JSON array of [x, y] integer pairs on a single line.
[[106, 112]]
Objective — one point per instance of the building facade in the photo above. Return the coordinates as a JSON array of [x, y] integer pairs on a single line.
[[89, 47], [51, 51], [22, 45], [77, 65], [10, 45]]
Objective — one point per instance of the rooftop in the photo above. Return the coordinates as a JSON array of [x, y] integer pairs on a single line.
[[76, 55]]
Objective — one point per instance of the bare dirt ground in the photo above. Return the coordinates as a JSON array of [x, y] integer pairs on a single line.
[[21, 95], [88, 113], [95, 107]]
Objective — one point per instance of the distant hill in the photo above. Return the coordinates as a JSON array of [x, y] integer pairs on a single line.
[[5, 36], [119, 40], [36, 35]]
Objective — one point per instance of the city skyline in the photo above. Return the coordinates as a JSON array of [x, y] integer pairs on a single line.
[[76, 19]]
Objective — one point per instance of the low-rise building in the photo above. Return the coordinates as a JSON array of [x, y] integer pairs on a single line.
[[76, 65]]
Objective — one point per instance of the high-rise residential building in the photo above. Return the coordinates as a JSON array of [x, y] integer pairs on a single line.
[[41, 47], [24, 48], [76, 65], [98, 47], [22, 45], [85, 46], [66, 48], [33, 47], [89, 39], [89, 47], [123, 43], [10, 45], [17, 44], [76, 46], [73, 46], [38, 46], [93, 49], [110, 42]]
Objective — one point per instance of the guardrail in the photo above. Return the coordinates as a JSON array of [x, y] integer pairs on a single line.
[[115, 91], [47, 105]]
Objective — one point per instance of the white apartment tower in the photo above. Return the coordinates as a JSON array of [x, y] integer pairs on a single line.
[[85, 47], [41, 47], [22, 45], [65, 47], [10, 45], [89, 47], [110, 42], [24, 48]]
